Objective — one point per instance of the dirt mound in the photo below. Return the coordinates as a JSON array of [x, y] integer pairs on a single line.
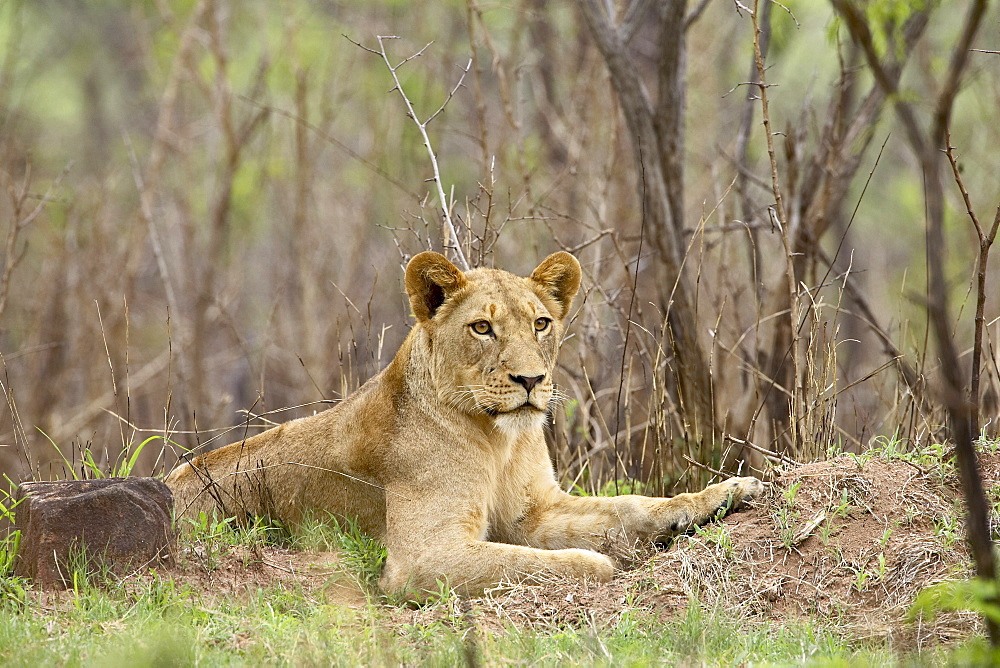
[[851, 540]]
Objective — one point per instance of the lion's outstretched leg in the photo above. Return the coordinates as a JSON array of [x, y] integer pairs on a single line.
[[560, 520], [431, 546], [476, 566]]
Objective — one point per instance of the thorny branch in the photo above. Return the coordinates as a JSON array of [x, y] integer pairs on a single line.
[[985, 242], [451, 239], [779, 216]]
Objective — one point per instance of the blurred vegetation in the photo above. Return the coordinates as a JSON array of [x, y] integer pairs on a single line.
[[208, 205]]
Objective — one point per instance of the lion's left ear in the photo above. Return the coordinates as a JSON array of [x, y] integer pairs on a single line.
[[559, 275]]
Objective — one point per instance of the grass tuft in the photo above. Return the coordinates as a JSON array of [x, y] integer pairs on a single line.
[[361, 555]]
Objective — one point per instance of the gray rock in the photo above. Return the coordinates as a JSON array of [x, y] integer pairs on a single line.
[[118, 524]]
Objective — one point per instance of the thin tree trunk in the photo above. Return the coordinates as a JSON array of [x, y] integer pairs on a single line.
[[657, 135], [927, 146]]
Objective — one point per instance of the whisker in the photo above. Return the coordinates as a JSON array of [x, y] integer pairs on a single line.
[[559, 398], [465, 399]]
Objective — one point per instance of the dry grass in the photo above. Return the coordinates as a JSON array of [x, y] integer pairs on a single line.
[[223, 251], [206, 208]]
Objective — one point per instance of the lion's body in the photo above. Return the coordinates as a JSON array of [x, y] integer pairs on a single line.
[[442, 455]]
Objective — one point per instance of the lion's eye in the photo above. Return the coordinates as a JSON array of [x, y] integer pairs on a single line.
[[481, 327], [541, 324]]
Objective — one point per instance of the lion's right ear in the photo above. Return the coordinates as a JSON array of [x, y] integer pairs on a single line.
[[430, 280], [559, 276]]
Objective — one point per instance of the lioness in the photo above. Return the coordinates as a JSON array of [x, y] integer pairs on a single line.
[[442, 454]]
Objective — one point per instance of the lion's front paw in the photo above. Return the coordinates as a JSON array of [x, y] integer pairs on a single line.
[[728, 495], [686, 510], [744, 489]]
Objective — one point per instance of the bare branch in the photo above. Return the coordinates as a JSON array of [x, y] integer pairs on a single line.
[[956, 68], [950, 152], [985, 242], [858, 27], [11, 256], [451, 239], [451, 94], [761, 84]]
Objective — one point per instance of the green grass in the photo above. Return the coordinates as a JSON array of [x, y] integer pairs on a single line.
[[89, 469], [362, 555], [8, 543], [157, 620], [160, 624], [164, 619]]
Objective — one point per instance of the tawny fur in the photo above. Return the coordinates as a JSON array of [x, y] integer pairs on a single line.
[[442, 454]]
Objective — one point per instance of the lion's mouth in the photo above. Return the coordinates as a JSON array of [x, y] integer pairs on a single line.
[[526, 407]]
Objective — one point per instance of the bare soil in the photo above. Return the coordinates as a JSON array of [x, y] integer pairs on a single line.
[[844, 540], [244, 569]]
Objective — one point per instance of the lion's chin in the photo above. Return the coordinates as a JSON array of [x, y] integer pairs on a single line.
[[520, 420]]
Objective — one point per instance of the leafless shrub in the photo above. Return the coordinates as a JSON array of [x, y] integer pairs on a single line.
[[238, 224]]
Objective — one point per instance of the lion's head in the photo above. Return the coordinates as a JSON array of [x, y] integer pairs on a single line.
[[493, 336]]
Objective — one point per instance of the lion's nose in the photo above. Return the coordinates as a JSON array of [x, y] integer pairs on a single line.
[[527, 382]]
